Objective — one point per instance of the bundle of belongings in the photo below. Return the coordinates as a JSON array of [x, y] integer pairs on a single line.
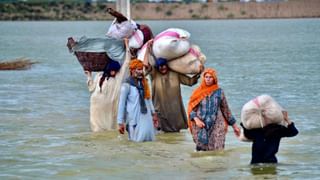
[[94, 53], [174, 45], [260, 112]]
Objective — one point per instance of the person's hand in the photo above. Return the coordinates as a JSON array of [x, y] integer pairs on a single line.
[[88, 73], [198, 122], [150, 43], [286, 117], [121, 128], [201, 68], [149, 46], [236, 130], [155, 120]]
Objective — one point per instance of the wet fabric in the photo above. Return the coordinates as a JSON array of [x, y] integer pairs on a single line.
[[266, 141], [215, 113], [166, 97], [140, 89], [104, 99], [140, 125], [201, 92]]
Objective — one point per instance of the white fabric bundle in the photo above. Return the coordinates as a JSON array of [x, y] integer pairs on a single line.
[[261, 111], [122, 30], [136, 40], [190, 63], [171, 43]]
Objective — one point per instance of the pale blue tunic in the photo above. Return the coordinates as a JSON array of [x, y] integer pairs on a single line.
[[140, 126]]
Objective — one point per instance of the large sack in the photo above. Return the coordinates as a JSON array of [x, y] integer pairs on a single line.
[[121, 30], [171, 43], [141, 54], [136, 40], [252, 112], [190, 63]]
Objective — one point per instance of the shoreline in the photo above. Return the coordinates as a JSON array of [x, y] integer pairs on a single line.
[[64, 11]]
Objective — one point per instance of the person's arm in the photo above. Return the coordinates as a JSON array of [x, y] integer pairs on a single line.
[[122, 106], [250, 134], [291, 130], [90, 83], [193, 117], [153, 113], [125, 66], [226, 112], [146, 60], [189, 81], [119, 17]]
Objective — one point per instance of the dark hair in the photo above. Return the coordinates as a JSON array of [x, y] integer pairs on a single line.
[[111, 66]]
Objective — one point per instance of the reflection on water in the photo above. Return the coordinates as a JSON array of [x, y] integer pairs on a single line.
[[44, 112], [264, 169]]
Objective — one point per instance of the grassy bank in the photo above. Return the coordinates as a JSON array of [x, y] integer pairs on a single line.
[[72, 10]]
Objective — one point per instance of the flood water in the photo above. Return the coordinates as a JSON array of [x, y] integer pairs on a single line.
[[44, 111]]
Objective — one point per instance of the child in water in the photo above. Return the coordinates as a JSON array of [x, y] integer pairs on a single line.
[[266, 140]]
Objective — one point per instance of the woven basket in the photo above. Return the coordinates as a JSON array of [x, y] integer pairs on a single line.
[[92, 61]]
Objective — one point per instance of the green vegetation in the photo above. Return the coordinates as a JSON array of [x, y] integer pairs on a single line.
[[158, 9], [230, 16], [220, 7], [169, 13], [195, 16]]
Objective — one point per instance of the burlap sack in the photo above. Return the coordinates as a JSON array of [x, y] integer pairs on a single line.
[[190, 63], [261, 111]]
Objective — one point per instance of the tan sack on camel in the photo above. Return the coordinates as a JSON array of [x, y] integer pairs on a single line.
[[261, 111]]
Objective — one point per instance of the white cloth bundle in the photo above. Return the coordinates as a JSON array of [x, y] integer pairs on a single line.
[[136, 40], [171, 43], [122, 30], [261, 111], [190, 63]]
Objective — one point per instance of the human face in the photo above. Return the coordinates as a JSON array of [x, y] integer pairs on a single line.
[[208, 79], [138, 73], [113, 73], [163, 69]]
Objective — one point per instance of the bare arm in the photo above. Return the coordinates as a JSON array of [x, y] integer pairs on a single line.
[[226, 112]]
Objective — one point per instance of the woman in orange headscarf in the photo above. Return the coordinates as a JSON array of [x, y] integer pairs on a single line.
[[209, 114]]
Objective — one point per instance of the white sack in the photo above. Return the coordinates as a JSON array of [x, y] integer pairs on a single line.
[[136, 40], [190, 63], [122, 30], [171, 43], [252, 112]]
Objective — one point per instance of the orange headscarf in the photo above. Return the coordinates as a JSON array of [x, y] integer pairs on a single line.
[[134, 64], [201, 92]]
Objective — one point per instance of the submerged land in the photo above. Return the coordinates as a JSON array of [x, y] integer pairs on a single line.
[[64, 10]]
